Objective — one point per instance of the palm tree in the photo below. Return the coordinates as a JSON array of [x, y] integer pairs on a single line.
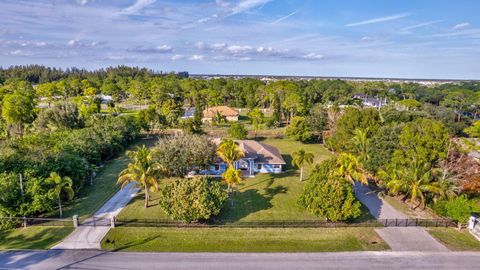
[[349, 167], [300, 158], [62, 185], [361, 143], [415, 182], [232, 177], [229, 151], [143, 172]]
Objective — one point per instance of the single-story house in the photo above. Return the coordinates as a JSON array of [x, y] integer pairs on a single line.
[[371, 102], [228, 113], [259, 158], [188, 113]]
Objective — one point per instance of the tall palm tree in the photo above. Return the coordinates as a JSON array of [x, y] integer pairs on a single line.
[[143, 172], [415, 183], [300, 158], [361, 143], [62, 185], [229, 151], [349, 167]]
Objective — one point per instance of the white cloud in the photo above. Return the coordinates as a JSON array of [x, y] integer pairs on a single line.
[[218, 46], [178, 57], [238, 48], [72, 42], [82, 2], [136, 7], [461, 26], [197, 57], [20, 53], [156, 49], [285, 17], [314, 56], [379, 20], [367, 38], [420, 25], [245, 5]]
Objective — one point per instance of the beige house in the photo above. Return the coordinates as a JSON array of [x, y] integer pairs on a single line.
[[231, 115]]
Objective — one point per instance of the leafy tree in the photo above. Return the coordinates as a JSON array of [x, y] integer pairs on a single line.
[[143, 172], [237, 131], [181, 154], [61, 116], [62, 185], [409, 104], [317, 121], [300, 158], [459, 209], [18, 108], [474, 130], [193, 200], [257, 118], [382, 146], [329, 196], [298, 130], [229, 151]]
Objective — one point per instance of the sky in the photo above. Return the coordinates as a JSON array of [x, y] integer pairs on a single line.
[[434, 39]]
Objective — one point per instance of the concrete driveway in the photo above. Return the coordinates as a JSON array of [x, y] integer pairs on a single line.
[[88, 236], [398, 238]]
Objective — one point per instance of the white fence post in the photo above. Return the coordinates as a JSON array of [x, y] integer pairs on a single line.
[[75, 221], [112, 222]]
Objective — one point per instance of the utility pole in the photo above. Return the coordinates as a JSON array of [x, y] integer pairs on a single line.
[[21, 193]]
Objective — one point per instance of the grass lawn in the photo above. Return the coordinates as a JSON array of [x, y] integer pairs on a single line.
[[264, 197], [242, 240], [455, 239], [35, 237]]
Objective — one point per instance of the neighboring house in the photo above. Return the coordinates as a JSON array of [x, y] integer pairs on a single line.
[[189, 113], [259, 158], [371, 102], [228, 113]]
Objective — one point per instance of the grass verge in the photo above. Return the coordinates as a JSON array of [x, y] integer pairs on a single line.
[[457, 240], [35, 237], [242, 240]]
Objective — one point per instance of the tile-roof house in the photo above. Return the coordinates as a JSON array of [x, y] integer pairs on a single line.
[[228, 113], [259, 158]]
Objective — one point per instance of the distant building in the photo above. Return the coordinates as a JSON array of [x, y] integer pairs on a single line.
[[226, 112], [189, 113], [371, 102]]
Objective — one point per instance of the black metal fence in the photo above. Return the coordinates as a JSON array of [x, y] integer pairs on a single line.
[[16, 222], [287, 223]]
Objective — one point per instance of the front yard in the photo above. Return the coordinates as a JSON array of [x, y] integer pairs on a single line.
[[35, 237], [242, 240]]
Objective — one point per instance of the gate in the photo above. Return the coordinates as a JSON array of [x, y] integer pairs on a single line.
[[95, 221]]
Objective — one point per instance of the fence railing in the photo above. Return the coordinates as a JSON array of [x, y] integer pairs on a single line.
[[287, 223], [16, 222]]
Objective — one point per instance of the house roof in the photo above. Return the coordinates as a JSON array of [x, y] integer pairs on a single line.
[[260, 152], [223, 110]]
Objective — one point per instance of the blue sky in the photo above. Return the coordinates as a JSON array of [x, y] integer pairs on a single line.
[[382, 38]]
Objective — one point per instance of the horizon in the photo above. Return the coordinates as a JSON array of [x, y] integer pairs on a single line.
[[427, 40]]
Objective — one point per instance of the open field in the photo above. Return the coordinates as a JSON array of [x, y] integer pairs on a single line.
[[35, 237], [455, 240], [242, 240]]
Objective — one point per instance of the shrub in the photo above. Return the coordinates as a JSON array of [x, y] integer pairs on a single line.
[[193, 199], [458, 209], [329, 196]]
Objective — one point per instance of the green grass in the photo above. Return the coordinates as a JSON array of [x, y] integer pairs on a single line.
[[242, 240], [90, 198], [36, 237], [456, 240]]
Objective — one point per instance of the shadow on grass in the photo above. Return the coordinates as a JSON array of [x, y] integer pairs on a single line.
[[247, 201], [32, 237], [129, 244]]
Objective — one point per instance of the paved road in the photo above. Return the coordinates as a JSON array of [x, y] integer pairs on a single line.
[[89, 237], [77, 259], [398, 238]]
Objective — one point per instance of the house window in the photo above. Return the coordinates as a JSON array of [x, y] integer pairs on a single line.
[[277, 166], [259, 166], [217, 167]]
